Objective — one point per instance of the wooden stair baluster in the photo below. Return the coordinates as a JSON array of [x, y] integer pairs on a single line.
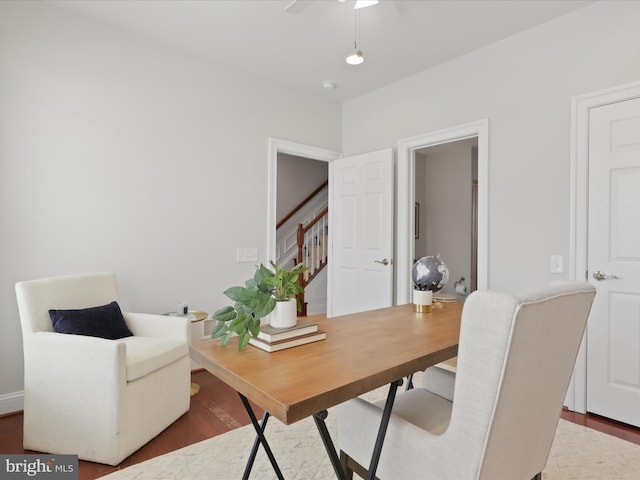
[[301, 279]]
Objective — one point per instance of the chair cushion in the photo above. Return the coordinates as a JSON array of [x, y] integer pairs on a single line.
[[422, 408], [148, 354], [105, 321]]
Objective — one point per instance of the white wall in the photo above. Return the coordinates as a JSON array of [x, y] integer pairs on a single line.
[[523, 85], [120, 154], [297, 178]]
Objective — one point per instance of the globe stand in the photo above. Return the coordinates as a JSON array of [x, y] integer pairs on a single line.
[[422, 308], [422, 301]]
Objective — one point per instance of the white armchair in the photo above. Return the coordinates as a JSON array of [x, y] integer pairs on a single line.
[[97, 398], [515, 359]]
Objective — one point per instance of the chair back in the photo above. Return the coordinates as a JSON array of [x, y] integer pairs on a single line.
[[515, 359], [37, 297]]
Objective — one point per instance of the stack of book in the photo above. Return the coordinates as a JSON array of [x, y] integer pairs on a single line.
[[273, 339]]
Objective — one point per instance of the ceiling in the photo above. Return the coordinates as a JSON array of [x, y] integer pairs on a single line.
[[304, 48]]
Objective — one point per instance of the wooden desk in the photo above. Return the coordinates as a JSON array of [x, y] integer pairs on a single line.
[[363, 351]]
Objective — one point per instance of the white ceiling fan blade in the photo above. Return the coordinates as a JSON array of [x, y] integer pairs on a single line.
[[295, 7]]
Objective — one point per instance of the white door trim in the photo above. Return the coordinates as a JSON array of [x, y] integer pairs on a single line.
[[580, 106], [406, 200], [276, 146]]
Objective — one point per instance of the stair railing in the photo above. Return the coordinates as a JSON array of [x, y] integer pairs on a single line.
[[298, 207], [313, 250]]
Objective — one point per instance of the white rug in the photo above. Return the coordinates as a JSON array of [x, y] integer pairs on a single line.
[[578, 453]]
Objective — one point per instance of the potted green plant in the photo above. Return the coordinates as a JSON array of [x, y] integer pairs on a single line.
[[257, 299], [285, 288]]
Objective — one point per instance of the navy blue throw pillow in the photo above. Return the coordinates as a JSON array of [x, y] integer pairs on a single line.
[[105, 321]]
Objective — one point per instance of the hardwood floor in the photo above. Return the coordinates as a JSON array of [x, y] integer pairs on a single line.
[[217, 409], [604, 425]]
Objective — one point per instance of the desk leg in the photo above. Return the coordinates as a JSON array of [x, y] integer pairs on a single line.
[[386, 414], [260, 438], [319, 418], [409, 382]]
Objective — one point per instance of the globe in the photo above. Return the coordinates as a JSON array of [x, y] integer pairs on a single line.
[[430, 273]]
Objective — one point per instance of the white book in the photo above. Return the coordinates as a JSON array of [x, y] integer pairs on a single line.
[[288, 343]]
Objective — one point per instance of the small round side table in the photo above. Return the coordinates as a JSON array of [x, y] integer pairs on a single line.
[[194, 316]]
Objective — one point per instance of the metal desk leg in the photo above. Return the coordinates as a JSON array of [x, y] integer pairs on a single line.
[[260, 438], [386, 414], [254, 448], [409, 382], [319, 418]]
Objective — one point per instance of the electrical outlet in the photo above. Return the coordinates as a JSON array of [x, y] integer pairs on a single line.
[[557, 263], [245, 255]]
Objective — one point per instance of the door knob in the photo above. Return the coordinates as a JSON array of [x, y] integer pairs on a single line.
[[599, 276], [384, 261]]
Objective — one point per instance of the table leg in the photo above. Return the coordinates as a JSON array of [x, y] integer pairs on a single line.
[[386, 414], [409, 382], [260, 438], [319, 418], [256, 445]]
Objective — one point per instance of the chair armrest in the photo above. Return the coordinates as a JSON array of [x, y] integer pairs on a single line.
[[149, 325], [85, 377], [61, 358]]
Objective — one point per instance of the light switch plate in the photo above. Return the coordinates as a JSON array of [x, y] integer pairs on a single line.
[[245, 255], [557, 263]]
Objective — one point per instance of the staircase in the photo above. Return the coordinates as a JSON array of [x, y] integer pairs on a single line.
[[302, 237], [313, 250]]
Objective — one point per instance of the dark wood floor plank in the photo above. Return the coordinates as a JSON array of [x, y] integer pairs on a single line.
[[604, 425], [217, 409]]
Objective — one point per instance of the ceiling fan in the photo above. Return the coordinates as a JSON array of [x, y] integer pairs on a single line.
[[298, 6]]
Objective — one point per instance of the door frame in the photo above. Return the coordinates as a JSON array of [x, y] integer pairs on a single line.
[[276, 146], [405, 198], [576, 399]]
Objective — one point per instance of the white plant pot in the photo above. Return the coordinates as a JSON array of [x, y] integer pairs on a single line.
[[284, 315]]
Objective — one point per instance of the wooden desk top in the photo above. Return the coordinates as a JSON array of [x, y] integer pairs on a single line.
[[363, 351]]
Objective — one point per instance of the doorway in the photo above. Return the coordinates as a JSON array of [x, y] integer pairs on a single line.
[[285, 154], [406, 201], [303, 194], [446, 224], [604, 239]]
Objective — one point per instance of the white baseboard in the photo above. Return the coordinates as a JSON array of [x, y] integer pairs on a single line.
[[11, 402]]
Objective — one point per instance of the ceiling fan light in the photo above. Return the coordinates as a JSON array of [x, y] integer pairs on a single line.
[[364, 3], [356, 58]]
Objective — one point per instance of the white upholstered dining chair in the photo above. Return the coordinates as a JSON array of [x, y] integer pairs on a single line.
[[515, 359], [108, 383]]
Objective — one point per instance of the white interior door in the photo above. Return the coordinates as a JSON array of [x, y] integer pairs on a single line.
[[613, 335], [361, 222]]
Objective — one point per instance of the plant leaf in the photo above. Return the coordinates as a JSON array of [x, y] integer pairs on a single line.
[[220, 330], [254, 326], [243, 340], [261, 273], [225, 339], [266, 308], [240, 294], [239, 324], [244, 310], [271, 281], [224, 314]]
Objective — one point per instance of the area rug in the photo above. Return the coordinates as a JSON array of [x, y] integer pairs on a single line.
[[578, 453]]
